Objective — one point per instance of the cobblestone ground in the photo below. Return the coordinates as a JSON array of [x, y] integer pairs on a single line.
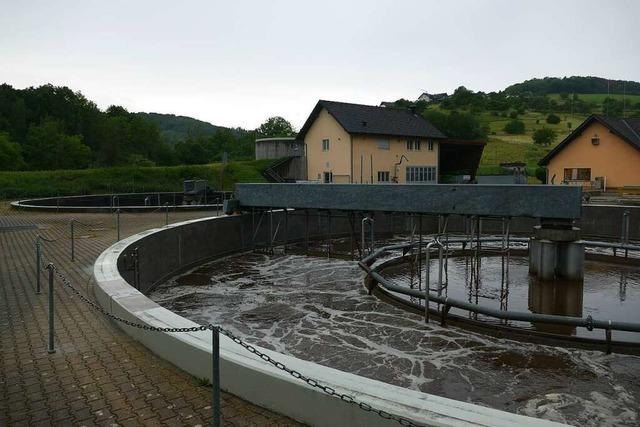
[[98, 376]]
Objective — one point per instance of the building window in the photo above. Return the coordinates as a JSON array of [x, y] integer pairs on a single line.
[[421, 174], [325, 145], [328, 177], [577, 174], [430, 145], [584, 174], [595, 139], [413, 144], [383, 176], [383, 144]]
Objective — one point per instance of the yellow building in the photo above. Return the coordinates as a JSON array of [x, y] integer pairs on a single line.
[[601, 153], [353, 143]]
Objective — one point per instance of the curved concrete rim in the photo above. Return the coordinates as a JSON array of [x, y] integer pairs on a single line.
[[32, 204], [247, 376]]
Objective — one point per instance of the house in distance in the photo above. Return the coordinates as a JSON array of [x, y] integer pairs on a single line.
[[602, 153], [364, 144]]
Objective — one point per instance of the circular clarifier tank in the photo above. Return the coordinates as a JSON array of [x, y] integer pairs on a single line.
[[316, 308]]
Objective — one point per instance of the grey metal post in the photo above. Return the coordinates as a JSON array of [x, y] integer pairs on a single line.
[[118, 225], [215, 376], [306, 232], [38, 258], [166, 213], [73, 242], [51, 346], [625, 231], [427, 283]]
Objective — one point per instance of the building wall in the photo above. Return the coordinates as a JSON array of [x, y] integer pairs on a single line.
[[276, 148], [613, 158], [337, 159], [366, 153]]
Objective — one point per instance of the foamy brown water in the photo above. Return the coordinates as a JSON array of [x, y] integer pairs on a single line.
[[316, 309]]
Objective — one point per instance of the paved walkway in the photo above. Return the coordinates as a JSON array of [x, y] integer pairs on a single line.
[[99, 375]]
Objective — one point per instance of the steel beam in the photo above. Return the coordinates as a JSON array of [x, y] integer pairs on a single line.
[[534, 201]]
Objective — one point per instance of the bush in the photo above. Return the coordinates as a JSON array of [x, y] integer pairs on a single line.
[[544, 136], [569, 125], [541, 174], [513, 115], [514, 127], [537, 121], [553, 119]]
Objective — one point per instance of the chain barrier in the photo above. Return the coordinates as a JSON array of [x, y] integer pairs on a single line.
[[250, 348]]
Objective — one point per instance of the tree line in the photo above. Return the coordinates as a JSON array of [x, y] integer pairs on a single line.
[[52, 127]]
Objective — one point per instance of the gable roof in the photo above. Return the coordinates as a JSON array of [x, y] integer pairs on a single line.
[[627, 129], [370, 120]]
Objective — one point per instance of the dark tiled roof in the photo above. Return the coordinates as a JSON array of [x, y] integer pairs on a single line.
[[370, 120], [627, 129]]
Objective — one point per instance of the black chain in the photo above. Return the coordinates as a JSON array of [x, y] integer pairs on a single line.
[[251, 349]]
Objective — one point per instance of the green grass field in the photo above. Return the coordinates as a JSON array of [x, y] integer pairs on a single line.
[[598, 98], [15, 185]]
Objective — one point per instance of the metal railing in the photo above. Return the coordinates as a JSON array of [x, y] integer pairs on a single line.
[[216, 330], [447, 302]]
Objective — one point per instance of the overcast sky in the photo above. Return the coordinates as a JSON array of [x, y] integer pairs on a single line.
[[235, 63]]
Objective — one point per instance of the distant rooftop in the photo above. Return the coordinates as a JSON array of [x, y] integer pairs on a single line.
[[372, 120]]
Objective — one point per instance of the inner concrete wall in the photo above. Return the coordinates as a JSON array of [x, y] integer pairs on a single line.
[[166, 251]]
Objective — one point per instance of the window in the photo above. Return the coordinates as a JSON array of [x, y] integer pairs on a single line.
[[584, 174], [383, 176], [430, 145], [577, 174], [595, 139], [413, 144], [328, 177], [421, 174], [383, 144], [325, 145]]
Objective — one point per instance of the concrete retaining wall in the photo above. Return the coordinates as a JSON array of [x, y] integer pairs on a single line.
[[165, 251]]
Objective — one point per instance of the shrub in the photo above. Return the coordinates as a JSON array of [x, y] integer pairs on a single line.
[[553, 119], [544, 136], [541, 174], [514, 127], [569, 125], [513, 115]]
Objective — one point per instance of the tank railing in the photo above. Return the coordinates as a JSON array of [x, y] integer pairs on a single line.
[[427, 278], [370, 221], [448, 302]]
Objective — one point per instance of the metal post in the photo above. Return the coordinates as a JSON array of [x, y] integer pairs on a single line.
[[73, 243], [166, 214], [117, 225], [38, 258], [625, 230], [420, 252], [286, 229], [51, 346], [215, 375], [306, 232], [329, 234], [427, 280]]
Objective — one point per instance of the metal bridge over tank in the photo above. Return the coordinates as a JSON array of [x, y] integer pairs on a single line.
[[555, 251]]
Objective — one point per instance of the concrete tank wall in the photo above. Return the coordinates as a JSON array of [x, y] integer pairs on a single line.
[[166, 251]]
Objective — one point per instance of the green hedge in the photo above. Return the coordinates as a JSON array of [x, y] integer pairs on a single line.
[[17, 185]]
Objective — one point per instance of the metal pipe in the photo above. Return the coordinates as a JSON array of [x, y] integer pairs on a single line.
[[38, 273], [118, 225], [587, 322], [73, 242], [51, 345], [215, 375]]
